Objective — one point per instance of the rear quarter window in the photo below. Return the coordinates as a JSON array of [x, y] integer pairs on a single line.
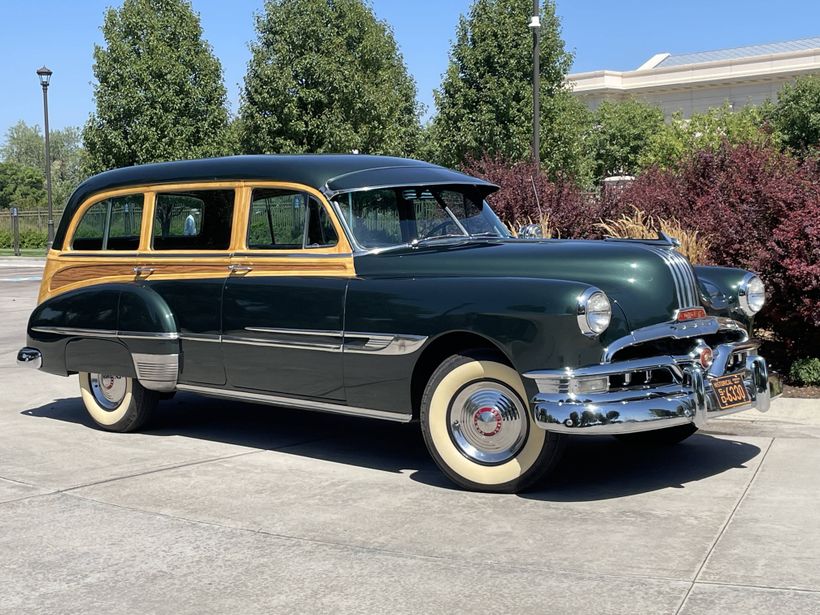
[[112, 224]]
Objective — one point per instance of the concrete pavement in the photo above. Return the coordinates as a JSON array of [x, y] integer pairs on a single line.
[[229, 507]]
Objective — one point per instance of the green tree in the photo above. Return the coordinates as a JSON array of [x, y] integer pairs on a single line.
[[24, 145], [679, 138], [620, 134], [485, 100], [21, 186], [327, 77], [159, 89], [796, 115]]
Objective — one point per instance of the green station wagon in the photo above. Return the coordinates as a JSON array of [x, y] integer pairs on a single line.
[[386, 288]]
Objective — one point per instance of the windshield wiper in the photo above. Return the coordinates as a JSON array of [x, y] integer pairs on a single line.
[[417, 242], [491, 234]]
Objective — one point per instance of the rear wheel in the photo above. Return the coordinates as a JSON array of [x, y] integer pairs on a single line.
[[661, 437], [116, 403], [477, 426]]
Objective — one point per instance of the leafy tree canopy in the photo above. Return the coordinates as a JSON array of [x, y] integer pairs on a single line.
[[21, 186], [621, 132], [24, 146], [159, 89], [796, 115], [680, 138], [327, 76], [485, 101]]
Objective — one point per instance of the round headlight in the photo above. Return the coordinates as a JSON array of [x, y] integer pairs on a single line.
[[594, 312], [751, 292]]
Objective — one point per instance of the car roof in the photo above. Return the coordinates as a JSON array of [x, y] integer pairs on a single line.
[[329, 173]]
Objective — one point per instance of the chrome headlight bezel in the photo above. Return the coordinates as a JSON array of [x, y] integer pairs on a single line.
[[593, 308], [751, 294]]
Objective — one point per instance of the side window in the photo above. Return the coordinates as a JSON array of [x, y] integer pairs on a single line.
[[193, 220], [374, 217], [288, 219], [112, 224]]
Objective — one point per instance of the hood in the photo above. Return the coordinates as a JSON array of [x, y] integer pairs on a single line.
[[648, 281]]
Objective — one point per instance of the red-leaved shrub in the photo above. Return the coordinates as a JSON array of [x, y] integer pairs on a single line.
[[759, 209], [795, 260], [572, 212]]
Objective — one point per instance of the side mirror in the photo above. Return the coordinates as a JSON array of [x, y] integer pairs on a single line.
[[530, 231]]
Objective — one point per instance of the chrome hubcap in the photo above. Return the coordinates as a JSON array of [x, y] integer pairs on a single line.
[[108, 390], [487, 422]]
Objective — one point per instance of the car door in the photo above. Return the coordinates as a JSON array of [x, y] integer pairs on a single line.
[[283, 303], [186, 261]]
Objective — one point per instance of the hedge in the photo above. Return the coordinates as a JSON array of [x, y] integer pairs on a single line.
[[29, 239], [756, 208]]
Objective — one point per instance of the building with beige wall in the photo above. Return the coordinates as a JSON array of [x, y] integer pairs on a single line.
[[694, 82]]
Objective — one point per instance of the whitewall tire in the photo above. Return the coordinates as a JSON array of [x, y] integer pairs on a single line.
[[116, 403], [477, 427]]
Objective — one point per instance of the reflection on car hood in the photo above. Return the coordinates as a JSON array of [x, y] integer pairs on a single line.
[[649, 282]]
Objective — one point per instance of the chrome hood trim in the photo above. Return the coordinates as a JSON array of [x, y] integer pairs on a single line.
[[686, 285]]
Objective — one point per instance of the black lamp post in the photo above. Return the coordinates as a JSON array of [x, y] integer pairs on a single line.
[[535, 26], [45, 77]]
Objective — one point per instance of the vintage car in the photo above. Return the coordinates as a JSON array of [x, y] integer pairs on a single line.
[[386, 288]]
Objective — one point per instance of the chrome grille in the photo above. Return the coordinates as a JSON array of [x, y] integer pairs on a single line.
[[686, 285]]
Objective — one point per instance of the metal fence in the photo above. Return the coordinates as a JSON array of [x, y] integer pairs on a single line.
[[29, 219]]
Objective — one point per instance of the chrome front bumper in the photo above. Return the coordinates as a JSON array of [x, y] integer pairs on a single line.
[[690, 398]]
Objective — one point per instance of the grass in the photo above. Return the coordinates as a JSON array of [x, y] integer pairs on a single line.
[[23, 252], [642, 226]]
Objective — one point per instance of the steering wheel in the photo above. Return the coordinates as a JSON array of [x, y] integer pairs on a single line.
[[438, 227]]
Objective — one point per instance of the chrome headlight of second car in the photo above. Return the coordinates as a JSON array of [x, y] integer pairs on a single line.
[[751, 293], [594, 311]]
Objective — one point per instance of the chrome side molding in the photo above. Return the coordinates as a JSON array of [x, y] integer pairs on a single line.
[[299, 339], [109, 333], [330, 341], [384, 344]]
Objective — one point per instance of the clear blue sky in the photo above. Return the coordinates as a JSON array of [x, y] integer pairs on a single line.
[[616, 35]]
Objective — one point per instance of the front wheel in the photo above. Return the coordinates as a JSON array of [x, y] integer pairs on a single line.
[[477, 427], [117, 403]]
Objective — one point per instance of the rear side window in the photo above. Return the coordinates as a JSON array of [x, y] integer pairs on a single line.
[[193, 220], [288, 219], [112, 224]]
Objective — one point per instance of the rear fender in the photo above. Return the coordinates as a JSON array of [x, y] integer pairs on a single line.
[[121, 329]]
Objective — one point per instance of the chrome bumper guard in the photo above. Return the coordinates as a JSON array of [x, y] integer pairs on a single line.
[[560, 406], [29, 357]]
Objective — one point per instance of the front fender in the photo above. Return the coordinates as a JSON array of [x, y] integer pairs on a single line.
[[533, 321], [719, 290]]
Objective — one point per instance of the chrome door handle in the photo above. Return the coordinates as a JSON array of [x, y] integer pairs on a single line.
[[239, 268], [143, 271]]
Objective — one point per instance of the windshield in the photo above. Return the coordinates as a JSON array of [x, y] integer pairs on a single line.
[[396, 216]]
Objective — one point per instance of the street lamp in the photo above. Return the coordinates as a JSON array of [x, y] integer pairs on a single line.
[[535, 26], [45, 77]]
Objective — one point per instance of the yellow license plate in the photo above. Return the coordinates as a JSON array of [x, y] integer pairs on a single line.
[[730, 391]]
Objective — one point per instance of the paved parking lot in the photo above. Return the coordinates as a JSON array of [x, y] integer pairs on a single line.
[[227, 507]]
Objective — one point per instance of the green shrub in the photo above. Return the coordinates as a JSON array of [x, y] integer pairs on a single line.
[[29, 239], [806, 371], [32, 238]]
